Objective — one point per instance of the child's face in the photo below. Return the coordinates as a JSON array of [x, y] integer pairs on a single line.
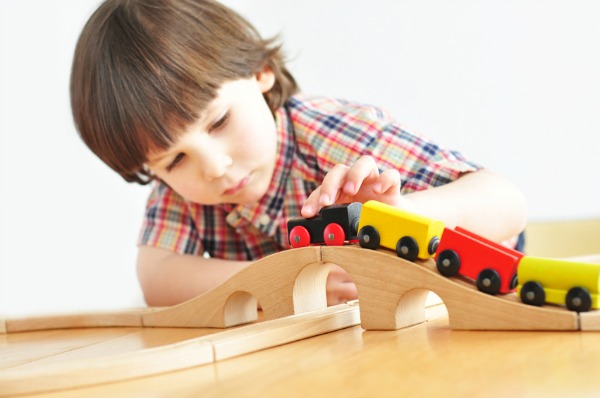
[[228, 154]]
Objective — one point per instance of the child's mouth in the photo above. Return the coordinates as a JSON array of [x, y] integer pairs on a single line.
[[237, 188]]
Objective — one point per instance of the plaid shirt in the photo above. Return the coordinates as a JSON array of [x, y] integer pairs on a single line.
[[314, 134]]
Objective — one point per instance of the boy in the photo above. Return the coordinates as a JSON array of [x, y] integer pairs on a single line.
[[186, 94]]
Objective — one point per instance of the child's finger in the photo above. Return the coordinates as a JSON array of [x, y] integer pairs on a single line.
[[364, 169], [389, 179], [341, 293], [311, 206], [332, 184]]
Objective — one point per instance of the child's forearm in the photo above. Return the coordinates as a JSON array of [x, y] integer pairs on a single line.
[[482, 201], [168, 278]]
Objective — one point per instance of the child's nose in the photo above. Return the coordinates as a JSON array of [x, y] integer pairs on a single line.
[[214, 165]]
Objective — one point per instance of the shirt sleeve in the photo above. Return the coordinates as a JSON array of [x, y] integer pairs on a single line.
[[422, 163], [168, 223], [353, 130]]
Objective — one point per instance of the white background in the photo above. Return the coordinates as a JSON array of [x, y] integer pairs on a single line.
[[512, 84]]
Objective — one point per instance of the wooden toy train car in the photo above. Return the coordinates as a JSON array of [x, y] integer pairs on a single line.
[[491, 265], [333, 226], [574, 284], [411, 235]]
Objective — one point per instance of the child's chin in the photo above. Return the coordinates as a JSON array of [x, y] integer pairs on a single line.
[[247, 201], [251, 198]]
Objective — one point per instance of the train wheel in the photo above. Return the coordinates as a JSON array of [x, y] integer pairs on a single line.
[[407, 248], [532, 293], [488, 281], [299, 237], [334, 235], [579, 299], [433, 244], [368, 237], [354, 226], [514, 281], [448, 263]]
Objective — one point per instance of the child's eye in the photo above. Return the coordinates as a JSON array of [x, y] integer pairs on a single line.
[[175, 161], [220, 123]]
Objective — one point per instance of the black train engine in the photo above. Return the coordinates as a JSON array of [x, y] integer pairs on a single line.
[[333, 226]]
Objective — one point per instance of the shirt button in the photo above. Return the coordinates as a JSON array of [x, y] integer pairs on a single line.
[[264, 219]]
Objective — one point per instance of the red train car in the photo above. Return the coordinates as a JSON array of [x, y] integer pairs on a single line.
[[491, 265]]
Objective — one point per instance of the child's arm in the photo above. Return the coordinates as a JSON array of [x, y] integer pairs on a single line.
[[480, 201], [169, 278]]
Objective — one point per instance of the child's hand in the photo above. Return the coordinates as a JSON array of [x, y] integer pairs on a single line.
[[357, 183], [339, 287]]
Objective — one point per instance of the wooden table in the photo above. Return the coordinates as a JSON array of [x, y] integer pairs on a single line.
[[428, 359]]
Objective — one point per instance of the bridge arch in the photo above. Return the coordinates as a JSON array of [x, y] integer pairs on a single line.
[[392, 293], [283, 283], [240, 308], [309, 288]]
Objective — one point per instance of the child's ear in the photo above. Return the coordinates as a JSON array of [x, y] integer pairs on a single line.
[[265, 78]]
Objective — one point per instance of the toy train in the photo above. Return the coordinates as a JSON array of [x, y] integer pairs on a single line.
[[333, 226], [496, 269]]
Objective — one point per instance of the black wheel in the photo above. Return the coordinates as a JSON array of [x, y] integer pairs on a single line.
[[368, 237], [448, 263], [433, 244], [488, 281], [579, 299], [354, 226], [532, 293], [514, 281], [407, 248]]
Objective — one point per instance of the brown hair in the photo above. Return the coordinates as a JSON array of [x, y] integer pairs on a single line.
[[144, 69]]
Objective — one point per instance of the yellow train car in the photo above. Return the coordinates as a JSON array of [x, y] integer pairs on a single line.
[[573, 284], [411, 235]]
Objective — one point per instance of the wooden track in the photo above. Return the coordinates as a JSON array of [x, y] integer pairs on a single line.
[[286, 283], [125, 318], [21, 374], [391, 290]]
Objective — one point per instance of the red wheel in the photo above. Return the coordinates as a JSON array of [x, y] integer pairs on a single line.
[[299, 237], [334, 235]]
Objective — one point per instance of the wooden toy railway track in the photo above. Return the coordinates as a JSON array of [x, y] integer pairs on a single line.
[[45, 361], [290, 289], [391, 292]]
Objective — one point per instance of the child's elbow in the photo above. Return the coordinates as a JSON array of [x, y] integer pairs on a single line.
[[521, 211], [150, 275], [149, 290], [516, 211]]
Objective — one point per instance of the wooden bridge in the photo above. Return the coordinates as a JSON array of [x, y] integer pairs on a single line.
[[391, 293], [391, 290]]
